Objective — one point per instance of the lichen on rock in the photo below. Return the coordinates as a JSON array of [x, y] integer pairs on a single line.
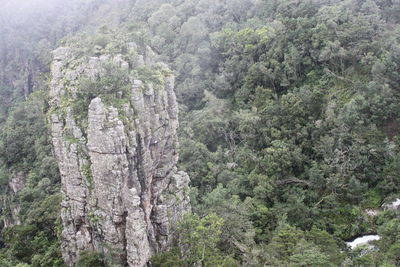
[[116, 142]]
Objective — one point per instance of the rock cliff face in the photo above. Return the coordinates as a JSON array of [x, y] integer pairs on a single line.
[[116, 144]]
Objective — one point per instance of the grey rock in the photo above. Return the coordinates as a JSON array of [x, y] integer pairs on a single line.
[[17, 182], [393, 205], [12, 219], [123, 194], [61, 53]]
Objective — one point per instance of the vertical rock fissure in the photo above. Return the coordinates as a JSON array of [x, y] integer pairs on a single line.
[[124, 239], [131, 169], [139, 166]]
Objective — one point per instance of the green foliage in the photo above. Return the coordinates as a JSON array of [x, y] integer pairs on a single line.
[[24, 133], [90, 258], [297, 121], [113, 87], [308, 255], [198, 243], [87, 171], [386, 70], [35, 241], [167, 259], [199, 237]]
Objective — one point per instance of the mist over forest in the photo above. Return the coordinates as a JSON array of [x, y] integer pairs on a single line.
[[199, 133]]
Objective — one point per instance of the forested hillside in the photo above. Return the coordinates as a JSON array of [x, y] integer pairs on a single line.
[[288, 125]]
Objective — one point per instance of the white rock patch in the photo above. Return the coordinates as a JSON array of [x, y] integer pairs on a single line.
[[362, 240]]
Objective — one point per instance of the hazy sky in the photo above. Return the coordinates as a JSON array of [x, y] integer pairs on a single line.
[[10, 8], [27, 4]]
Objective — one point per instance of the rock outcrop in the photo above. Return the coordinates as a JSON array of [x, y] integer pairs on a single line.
[[11, 208], [115, 141]]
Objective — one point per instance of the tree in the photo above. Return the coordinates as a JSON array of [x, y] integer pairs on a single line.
[[89, 259]]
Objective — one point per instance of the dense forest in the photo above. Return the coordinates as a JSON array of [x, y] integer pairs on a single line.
[[288, 125]]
